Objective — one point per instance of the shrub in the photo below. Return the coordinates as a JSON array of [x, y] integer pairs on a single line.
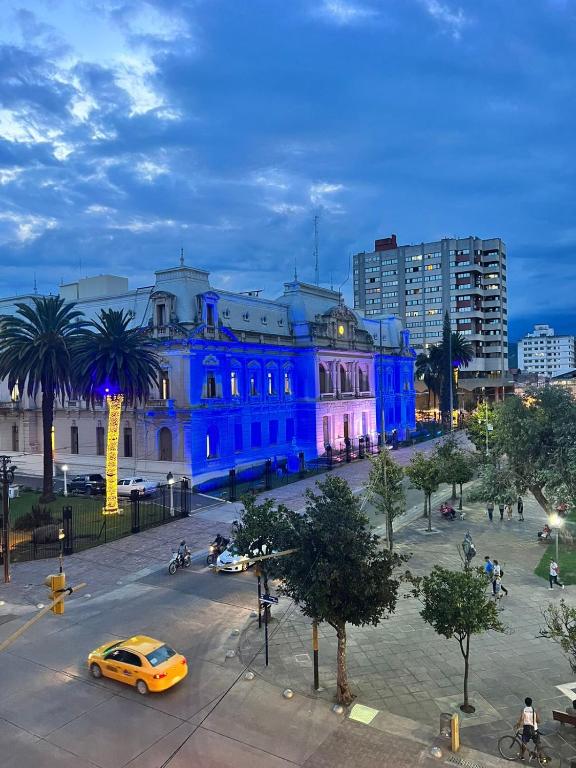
[[37, 517]]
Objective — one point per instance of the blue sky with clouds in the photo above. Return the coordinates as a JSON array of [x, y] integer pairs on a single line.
[[129, 129]]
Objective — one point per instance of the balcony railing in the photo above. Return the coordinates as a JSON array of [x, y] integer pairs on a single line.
[[163, 403], [9, 405]]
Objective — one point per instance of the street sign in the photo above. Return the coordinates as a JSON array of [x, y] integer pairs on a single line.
[[269, 599]]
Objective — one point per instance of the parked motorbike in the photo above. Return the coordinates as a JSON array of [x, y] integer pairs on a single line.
[[179, 560], [447, 512], [215, 549]]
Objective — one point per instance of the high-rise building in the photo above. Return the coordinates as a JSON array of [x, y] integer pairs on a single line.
[[543, 352], [419, 283]]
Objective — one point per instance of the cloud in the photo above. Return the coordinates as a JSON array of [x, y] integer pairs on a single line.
[[321, 196], [452, 21], [344, 12]]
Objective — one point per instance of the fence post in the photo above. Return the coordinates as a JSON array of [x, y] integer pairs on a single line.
[[360, 447], [232, 485], [348, 446], [267, 474], [68, 548], [301, 464], [329, 456], [184, 498], [135, 507]]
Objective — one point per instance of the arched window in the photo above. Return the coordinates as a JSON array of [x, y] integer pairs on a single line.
[[212, 447], [363, 381], [287, 382], [164, 385], [343, 379], [210, 385], [165, 444]]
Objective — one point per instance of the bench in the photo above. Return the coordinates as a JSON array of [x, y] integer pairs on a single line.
[[564, 717]]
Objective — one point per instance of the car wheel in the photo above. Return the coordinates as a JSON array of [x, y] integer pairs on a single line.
[[95, 671], [87, 490], [141, 687]]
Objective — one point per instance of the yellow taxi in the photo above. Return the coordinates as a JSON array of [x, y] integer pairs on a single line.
[[141, 661]]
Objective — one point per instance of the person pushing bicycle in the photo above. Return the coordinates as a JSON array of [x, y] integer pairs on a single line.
[[528, 722]]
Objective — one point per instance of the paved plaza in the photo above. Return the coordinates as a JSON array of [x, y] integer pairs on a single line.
[[53, 714]]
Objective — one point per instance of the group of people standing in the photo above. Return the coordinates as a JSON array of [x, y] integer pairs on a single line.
[[506, 509], [494, 574]]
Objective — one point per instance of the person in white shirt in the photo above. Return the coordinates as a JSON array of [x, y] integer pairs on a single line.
[[553, 574], [528, 721]]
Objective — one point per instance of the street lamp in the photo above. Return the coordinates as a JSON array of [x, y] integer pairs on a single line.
[[65, 470], [556, 522], [170, 481]]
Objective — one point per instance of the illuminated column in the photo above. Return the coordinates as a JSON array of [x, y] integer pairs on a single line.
[[114, 403]]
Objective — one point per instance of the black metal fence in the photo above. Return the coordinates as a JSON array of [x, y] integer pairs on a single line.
[[82, 521]]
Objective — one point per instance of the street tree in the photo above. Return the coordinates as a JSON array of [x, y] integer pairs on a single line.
[[560, 627], [479, 428], [36, 355], [457, 465], [262, 529], [537, 436], [120, 364], [457, 607], [339, 573], [456, 353], [429, 370], [386, 490], [495, 483], [424, 474]]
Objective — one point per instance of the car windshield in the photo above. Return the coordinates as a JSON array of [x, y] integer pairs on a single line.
[[160, 655]]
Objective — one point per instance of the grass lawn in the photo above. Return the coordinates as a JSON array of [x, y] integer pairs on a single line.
[[566, 561]]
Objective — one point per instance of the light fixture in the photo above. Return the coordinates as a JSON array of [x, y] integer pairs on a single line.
[[340, 330]]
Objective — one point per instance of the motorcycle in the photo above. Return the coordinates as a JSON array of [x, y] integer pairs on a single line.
[[215, 549], [177, 560], [447, 512]]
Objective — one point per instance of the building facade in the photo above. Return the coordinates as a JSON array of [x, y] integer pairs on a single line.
[[419, 283], [545, 353], [243, 378]]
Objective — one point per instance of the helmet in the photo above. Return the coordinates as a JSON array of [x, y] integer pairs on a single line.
[[183, 542]]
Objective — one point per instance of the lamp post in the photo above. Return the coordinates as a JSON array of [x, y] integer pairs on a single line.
[[61, 537], [65, 471], [6, 477], [556, 522], [170, 481]]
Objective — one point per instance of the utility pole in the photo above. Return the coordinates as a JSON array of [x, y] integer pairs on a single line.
[[7, 477], [383, 428]]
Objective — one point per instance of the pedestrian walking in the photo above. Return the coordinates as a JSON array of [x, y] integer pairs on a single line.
[[488, 568], [520, 507], [490, 510], [501, 510], [497, 576], [508, 510], [553, 574]]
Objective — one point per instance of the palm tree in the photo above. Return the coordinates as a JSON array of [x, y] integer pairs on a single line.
[[461, 350], [36, 347], [429, 370], [120, 364]]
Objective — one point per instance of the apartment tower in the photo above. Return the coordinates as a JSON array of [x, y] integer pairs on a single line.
[[419, 283]]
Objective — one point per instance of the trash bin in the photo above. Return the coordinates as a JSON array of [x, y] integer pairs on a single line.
[[446, 724]]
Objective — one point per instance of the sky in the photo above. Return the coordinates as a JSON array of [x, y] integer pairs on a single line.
[[130, 129]]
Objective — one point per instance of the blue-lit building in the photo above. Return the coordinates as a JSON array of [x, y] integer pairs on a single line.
[[244, 378]]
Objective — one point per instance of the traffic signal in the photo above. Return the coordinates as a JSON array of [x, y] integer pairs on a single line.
[[56, 583]]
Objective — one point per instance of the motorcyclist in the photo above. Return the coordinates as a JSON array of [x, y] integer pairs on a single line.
[[220, 543], [182, 550]]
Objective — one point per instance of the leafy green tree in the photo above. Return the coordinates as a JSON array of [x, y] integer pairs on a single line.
[[560, 626], [477, 430], [456, 464], [262, 529], [119, 363], [36, 350], [386, 490], [424, 473], [457, 607], [456, 353], [537, 435], [495, 483], [339, 573]]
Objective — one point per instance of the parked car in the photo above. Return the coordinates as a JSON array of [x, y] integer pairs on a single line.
[[91, 485], [141, 484], [141, 661]]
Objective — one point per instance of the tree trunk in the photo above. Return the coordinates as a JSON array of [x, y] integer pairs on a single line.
[[453, 491], [425, 504], [48, 457], [466, 706], [429, 496], [460, 502], [536, 491], [390, 532], [343, 693]]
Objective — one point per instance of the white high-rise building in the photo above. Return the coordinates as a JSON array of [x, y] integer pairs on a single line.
[[542, 351]]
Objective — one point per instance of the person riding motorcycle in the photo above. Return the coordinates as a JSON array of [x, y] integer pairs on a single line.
[[220, 543], [182, 550]]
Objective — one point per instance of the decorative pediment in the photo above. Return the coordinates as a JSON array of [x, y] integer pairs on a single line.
[[210, 360]]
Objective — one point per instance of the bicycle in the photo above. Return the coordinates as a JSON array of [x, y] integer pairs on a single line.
[[510, 747]]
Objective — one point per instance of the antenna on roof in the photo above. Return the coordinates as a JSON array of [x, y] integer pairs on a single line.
[[182, 257], [316, 264], [331, 281], [35, 286], [343, 283], [295, 271]]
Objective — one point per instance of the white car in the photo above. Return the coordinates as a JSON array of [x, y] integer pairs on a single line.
[[141, 484], [230, 559]]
